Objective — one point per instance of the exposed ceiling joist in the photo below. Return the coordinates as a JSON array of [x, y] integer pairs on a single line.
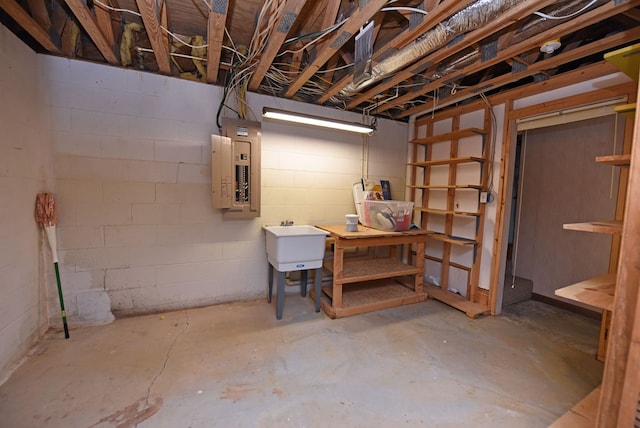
[[538, 67], [281, 28], [152, 26], [305, 49], [29, 24], [434, 16], [523, 9], [88, 22], [103, 19], [345, 32], [215, 36], [604, 11]]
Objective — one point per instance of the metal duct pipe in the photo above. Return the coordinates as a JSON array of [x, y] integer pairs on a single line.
[[471, 17]]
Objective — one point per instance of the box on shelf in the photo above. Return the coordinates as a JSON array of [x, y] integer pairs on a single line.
[[386, 215]]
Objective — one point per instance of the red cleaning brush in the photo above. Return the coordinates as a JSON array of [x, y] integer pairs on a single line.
[[46, 217]]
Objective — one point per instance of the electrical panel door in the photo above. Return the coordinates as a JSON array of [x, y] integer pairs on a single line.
[[235, 169]]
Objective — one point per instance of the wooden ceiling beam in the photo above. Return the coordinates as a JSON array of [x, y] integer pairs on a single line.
[[40, 13], [330, 17], [149, 14], [276, 38], [215, 37], [343, 35], [88, 22], [103, 19], [506, 19], [436, 14], [539, 67], [13, 9], [588, 18]]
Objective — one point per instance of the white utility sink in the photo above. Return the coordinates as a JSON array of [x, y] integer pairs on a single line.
[[298, 247]]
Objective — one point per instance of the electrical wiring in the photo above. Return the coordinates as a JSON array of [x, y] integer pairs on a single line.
[[133, 12], [316, 33], [405, 8], [492, 148], [304, 47], [571, 15]]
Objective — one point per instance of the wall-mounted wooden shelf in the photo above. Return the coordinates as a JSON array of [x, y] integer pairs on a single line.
[[596, 291], [613, 227], [463, 133], [444, 212], [447, 186], [448, 161], [617, 160], [455, 240]]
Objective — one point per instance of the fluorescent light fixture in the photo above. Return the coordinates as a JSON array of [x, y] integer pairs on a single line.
[[306, 119]]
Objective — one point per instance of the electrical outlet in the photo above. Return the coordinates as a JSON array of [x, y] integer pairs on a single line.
[[483, 197]]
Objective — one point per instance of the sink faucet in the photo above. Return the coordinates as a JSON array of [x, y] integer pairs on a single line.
[[286, 223]]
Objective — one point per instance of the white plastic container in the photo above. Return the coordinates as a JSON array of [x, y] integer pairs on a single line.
[[297, 247], [387, 215]]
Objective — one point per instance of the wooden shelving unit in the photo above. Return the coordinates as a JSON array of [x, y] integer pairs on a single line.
[[369, 284], [437, 178], [615, 403]]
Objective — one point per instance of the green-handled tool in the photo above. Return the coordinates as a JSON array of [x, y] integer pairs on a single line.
[[46, 217]]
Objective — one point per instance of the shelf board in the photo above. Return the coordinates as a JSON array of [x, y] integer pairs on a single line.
[[448, 186], [629, 110], [448, 161], [372, 269], [370, 296], [626, 59], [463, 133], [613, 227], [618, 160], [473, 310], [596, 291], [443, 212], [583, 414], [455, 240]]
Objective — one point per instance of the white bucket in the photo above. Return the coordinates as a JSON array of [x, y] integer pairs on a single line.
[[352, 222]]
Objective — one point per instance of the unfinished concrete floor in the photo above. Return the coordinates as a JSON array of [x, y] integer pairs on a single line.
[[235, 365]]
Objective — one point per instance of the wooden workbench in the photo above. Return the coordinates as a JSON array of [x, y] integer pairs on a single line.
[[369, 284]]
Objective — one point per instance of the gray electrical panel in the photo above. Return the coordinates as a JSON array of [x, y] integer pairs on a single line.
[[235, 169]]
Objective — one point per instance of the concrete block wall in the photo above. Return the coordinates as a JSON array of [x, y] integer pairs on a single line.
[[25, 170], [133, 175]]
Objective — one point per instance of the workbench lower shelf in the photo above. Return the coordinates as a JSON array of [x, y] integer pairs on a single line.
[[362, 297]]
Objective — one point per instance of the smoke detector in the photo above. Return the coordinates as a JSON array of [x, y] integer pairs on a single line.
[[551, 46]]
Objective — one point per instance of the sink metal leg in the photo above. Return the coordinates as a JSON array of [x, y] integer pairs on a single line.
[[318, 288], [280, 295], [303, 283], [270, 283]]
